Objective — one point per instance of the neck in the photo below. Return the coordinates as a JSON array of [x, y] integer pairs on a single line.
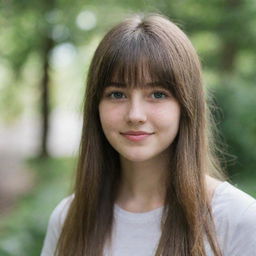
[[142, 184]]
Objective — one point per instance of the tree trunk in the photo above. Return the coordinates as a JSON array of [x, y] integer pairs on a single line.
[[45, 106], [230, 47]]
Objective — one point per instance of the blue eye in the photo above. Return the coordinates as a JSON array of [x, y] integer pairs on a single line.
[[159, 95], [115, 95]]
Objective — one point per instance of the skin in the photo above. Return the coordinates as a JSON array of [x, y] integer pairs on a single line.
[[144, 164]]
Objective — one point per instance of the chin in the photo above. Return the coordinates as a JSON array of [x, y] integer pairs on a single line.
[[137, 157]]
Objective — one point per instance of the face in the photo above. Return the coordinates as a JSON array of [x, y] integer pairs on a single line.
[[151, 111]]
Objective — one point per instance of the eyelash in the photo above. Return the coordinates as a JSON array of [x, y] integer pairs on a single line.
[[109, 95]]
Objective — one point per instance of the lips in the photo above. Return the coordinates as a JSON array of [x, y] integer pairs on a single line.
[[136, 136], [136, 133]]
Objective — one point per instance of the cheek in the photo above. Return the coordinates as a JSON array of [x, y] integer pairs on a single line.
[[109, 116], [167, 117]]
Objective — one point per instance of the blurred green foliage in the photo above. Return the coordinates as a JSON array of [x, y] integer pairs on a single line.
[[223, 32], [22, 232]]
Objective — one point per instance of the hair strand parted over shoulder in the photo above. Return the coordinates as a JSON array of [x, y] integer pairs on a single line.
[[144, 49]]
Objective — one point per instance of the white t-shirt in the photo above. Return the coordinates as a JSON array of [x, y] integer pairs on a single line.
[[138, 234]]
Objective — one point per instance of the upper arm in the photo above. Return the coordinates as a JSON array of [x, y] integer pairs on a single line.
[[243, 240]]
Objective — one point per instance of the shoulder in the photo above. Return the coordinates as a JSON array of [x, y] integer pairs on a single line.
[[234, 212], [54, 228], [243, 236], [247, 219], [229, 199], [60, 211]]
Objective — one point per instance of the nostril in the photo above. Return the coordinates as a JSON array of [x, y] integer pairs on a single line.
[[135, 117]]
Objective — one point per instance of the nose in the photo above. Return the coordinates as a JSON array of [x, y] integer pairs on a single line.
[[136, 112]]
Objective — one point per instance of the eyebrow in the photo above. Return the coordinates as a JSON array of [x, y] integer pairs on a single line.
[[121, 85]]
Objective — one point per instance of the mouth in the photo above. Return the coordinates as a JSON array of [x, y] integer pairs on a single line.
[[135, 133], [138, 136]]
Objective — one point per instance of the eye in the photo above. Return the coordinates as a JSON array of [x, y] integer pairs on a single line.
[[115, 95], [159, 95]]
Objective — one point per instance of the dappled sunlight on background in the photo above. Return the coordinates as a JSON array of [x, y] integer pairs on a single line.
[[46, 48]]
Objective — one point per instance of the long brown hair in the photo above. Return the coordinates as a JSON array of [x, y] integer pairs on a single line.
[[145, 44]]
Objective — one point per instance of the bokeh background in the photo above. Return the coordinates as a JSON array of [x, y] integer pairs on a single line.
[[45, 49]]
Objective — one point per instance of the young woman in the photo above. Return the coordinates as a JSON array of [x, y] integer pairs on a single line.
[[148, 181]]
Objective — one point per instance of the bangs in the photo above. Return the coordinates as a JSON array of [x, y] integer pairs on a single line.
[[138, 62]]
